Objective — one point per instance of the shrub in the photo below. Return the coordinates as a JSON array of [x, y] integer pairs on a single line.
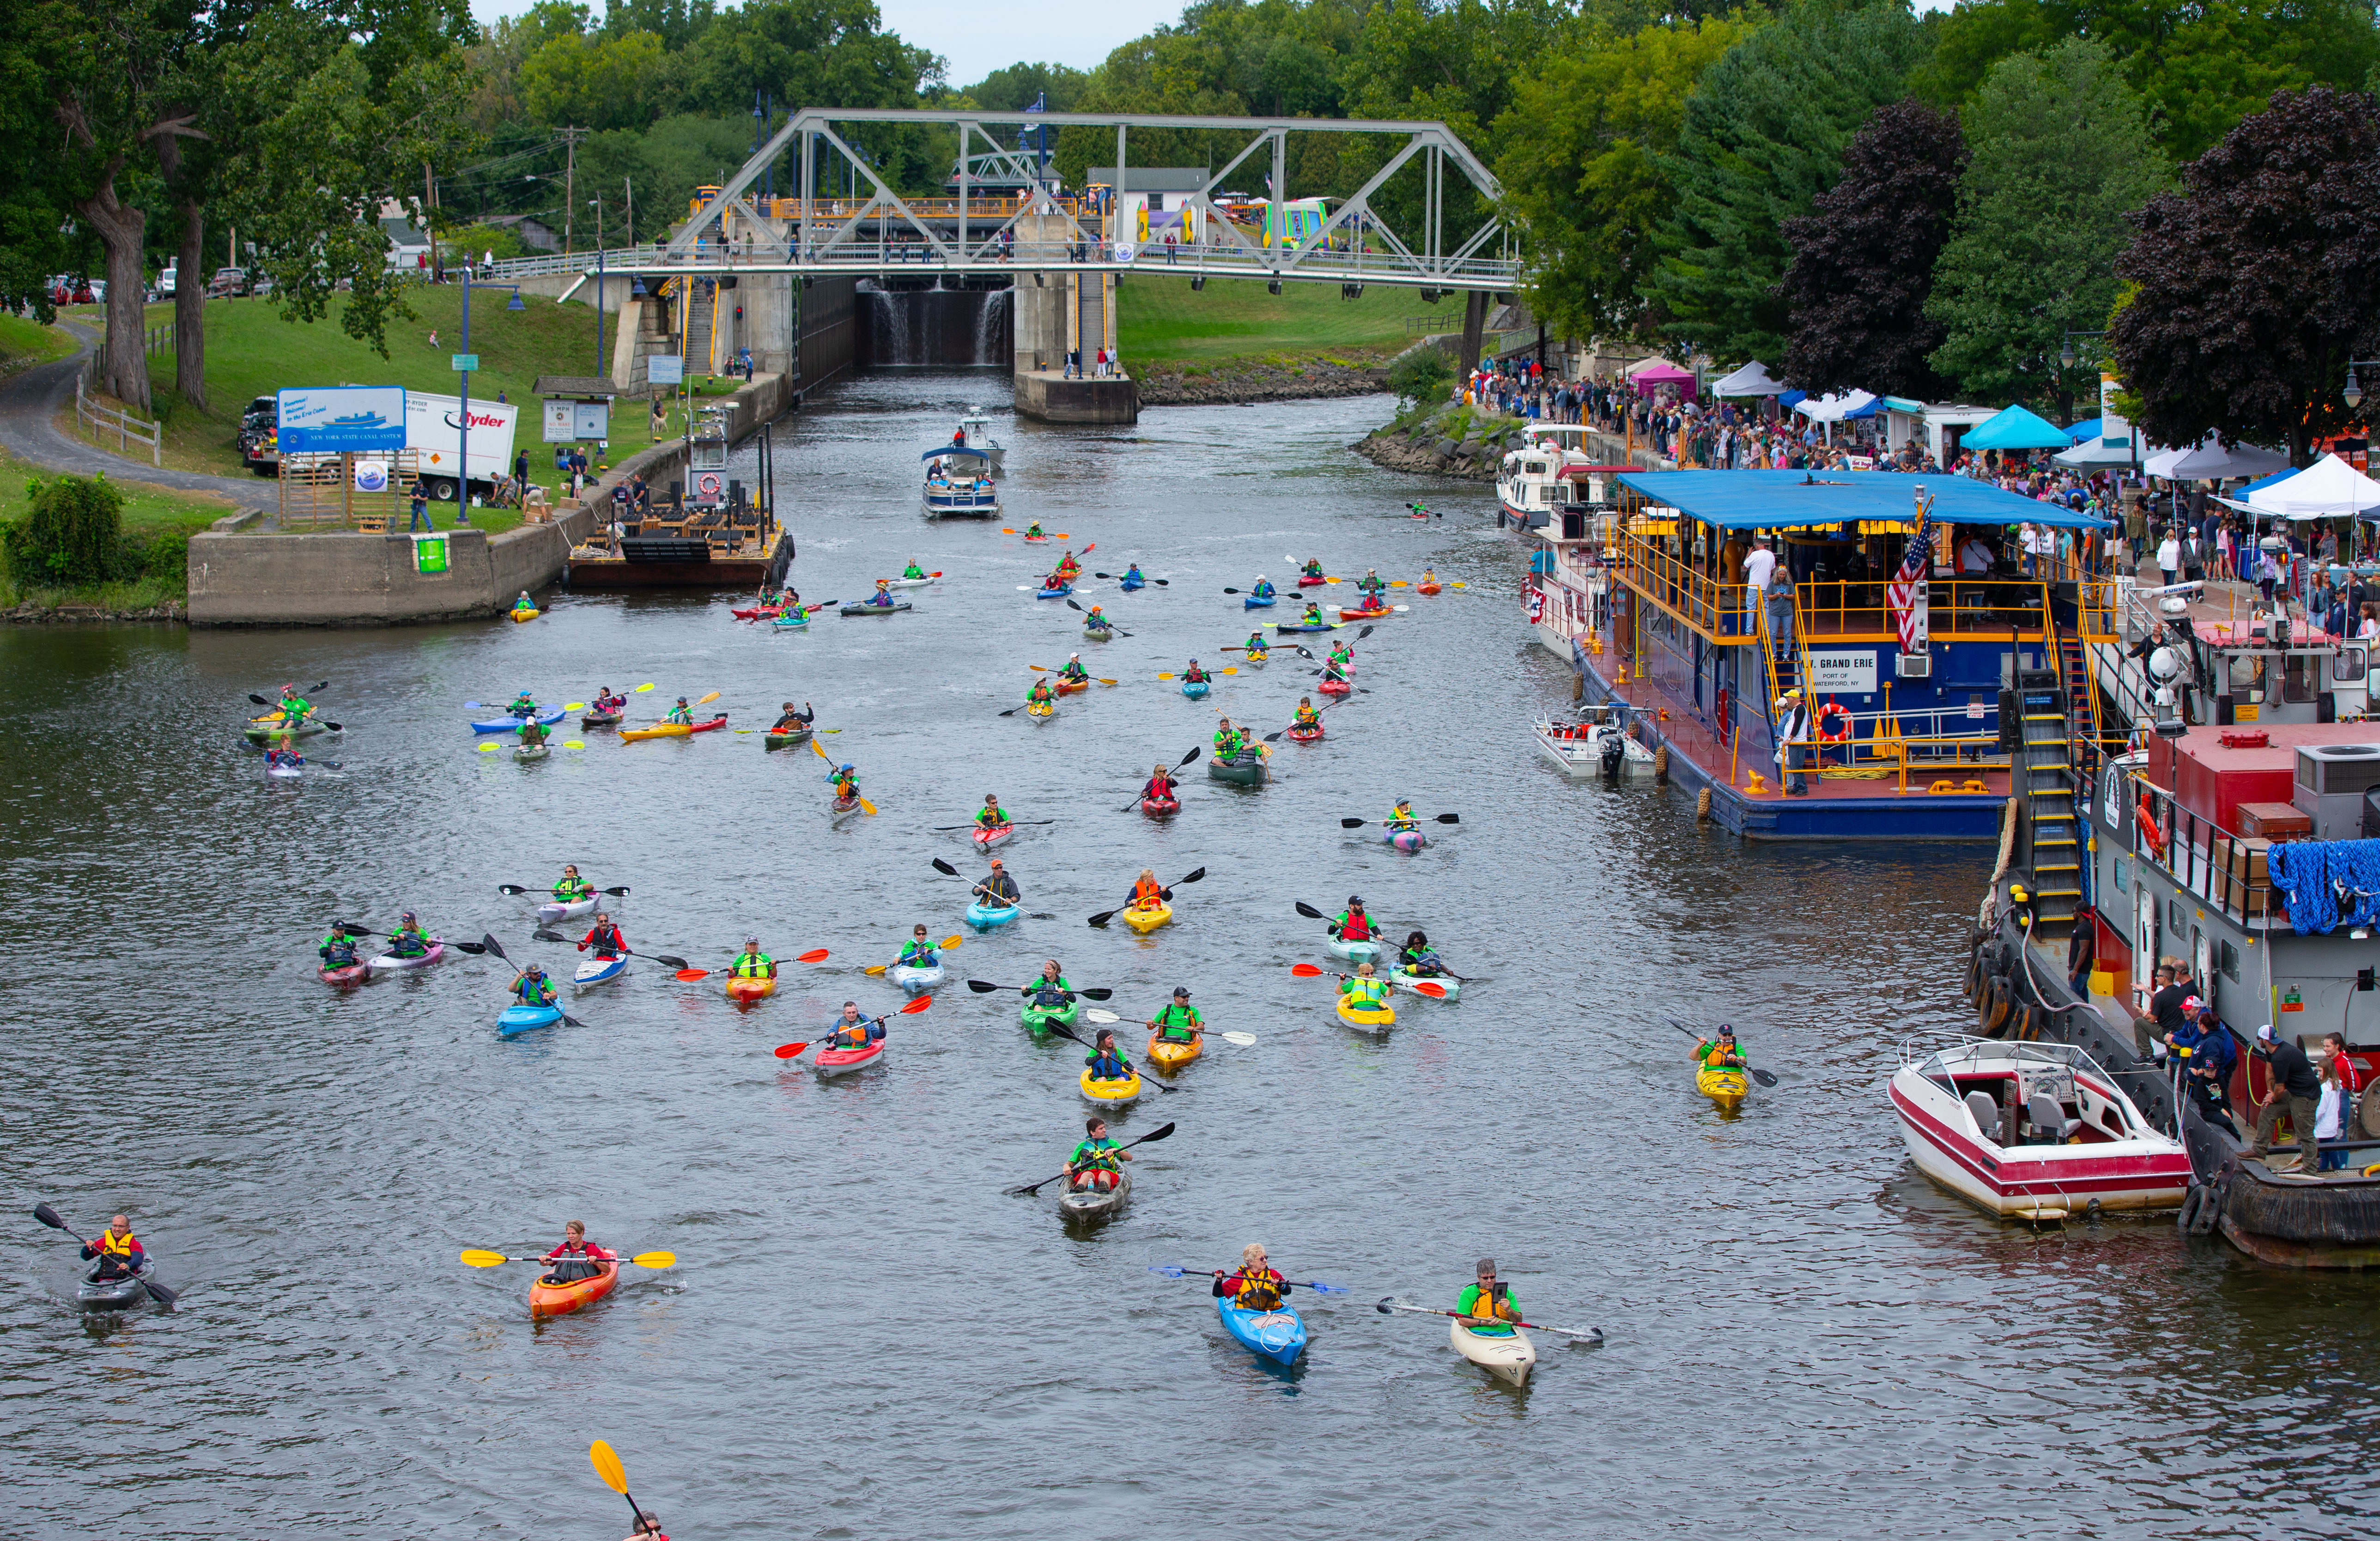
[[73, 534], [1421, 376]]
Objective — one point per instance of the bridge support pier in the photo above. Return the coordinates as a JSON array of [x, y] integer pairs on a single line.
[[1063, 316]]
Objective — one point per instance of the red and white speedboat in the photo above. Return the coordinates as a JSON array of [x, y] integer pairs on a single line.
[[2032, 1130]]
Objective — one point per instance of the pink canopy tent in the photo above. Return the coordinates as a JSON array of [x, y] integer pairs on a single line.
[[1664, 374]]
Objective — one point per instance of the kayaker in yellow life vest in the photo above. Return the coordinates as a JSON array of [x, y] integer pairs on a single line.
[[1092, 1166], [1418, 958], [406, 940], [1178, 1022], [1040, 694], [846, 781], [1074, 672], [1107, 1061], [338, 949], [1228, 740], [682, 714], [1256, 1286], [1489, 1300], [1363, 988], [1313, 567], [571, 888], [918, 952], [753, 964], [1313, 617], [913, 571], [117, 1250], [852, 1030], [992, 815], [1402, 817], [1306, 716], [999, 887], [1430, 575], [1722, 1054]]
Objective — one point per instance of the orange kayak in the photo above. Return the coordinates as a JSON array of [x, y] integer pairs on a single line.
[[746, 990], [1365, 615], [560, 1300], [1068, 688]]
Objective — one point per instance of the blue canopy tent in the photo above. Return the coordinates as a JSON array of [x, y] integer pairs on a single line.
[[1795, 500], [2014, 427], [948, 449], [2087, 429]]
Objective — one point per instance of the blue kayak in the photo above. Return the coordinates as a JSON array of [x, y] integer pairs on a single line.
[[984, 918], [1276, 1335], [1058, 593], [507, 724], [1195, 689], [1253, 602], [1292, 627], [596, 971], [517, 1019], [1129, 584], [792, 620]]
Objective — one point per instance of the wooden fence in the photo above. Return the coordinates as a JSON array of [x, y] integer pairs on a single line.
[[97, 419]]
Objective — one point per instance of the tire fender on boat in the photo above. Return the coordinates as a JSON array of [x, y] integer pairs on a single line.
[[2000, 1004]]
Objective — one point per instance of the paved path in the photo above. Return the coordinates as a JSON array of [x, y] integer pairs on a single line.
[[29, 406]]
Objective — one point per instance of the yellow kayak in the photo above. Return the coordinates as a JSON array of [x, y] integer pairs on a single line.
[[1040, 708], [749, 989], [1167, 1058], [1364, 1015], [1726, 1087], [1110, 1094], [1146, 921], [526, 615]]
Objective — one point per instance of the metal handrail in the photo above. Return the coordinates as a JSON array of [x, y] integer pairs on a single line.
[[2200, 858], [1948, 600]]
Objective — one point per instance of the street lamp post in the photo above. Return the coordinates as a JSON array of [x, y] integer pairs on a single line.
[[2065, 367]]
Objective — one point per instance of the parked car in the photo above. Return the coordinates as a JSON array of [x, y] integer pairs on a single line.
[[226, 282], [166, 281], [259, 441]]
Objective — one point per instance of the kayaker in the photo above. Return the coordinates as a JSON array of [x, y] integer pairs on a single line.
[[1489, 1301], [1107, 1061], [524, 602], [531, 732], [571, 888], [793, 720], [1194, 674], [1352, 923], [1096, 619], [1054, 582], [604, 937], [294, 709], [1256, 1286], [1263, 589], [1363, 986], [533, 989], [284, 754], [992, 815], [1074, 672], [406, 940], [605, 701], [1178, 1021], [1430, 575], [1067, 566], [1131, 575], [1256, 647], [918, 952], [913, 570], [1033, 531], [524, 705], [1051, 989], [577, 1258], [1313, 617], [1340, 658], [1000, 888], [1417, 958], [852, 1030], [680, 714], [1402, 817], [1371, 586], [1093, 1164], [338, 949], [883, 594], [846, 784], [1306, 716], [1040, 694], [1721, 1053], [753, 964], [1333, 673], [1228, 740], [118, 1251], [1313, 567], [1146, 893], [1159, 785]]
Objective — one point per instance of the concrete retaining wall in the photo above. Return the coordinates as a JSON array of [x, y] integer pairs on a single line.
[[1051, 399], [348, 579]]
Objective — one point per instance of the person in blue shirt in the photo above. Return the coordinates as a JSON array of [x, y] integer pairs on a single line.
[[2202, 1036], [1131, 575], [1264, 589]]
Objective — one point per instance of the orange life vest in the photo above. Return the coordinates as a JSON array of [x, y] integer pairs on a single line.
[[1147, 895]]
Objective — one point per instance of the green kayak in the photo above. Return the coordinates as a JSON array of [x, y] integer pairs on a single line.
[[1037, 1020], [1246, 770], [787, 740], [260, 736]]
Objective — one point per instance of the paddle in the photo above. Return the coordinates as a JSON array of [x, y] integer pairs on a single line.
[[865, 806], [1359, 823], [1419, 987], [356, 931], [49, 1216], [517, 889], [789, 1051], [946, 829], [1161, 583], [1099, 994], [1105, 916], [1039, 670], [1059, 535], [1162, 1132], [607, 1466], [1764, 1077], [1108, 1019], [488, 943], [1109, 624], [1175, 1271], [1229, 669], [1576, 1334], [690, 972], [877, 970], [1185, 760], [476, 1259]]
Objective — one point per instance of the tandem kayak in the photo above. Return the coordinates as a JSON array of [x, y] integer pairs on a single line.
[[983, 917], [672, 730], [1109, 1094], [1090, 1204], [1276, 1335], [517, 1019], [388, 963], [1355, 952], [832, 1062], [918, 981], [596, 971], [1161, 807], [1504, 1352], [1037, 1018], [1246, 770], [785, 740], [1147, 920], [1406, 979], [1304, 736], [864, 608], [1404, 839], [560, 1300], [744, 991], [1365, 1016], [340, 978], [1333, 687], [1195, 688], [95, 1294], [990, 837], [1253, 602], [1726, 1088], [512, 724], [1167, 1056]]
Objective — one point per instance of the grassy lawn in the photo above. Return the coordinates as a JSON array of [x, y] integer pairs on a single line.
[[25, 342], [160, 513], [1162, 321]]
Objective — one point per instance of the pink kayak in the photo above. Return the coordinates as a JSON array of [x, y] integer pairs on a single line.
[[993, 836], [388, 962], [1404, 839], [832, 1062]]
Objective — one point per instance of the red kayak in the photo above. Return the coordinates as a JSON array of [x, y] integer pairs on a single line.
[[1304, 582], [340, 978], [764, 613], [1161, 807], [832, 1062], [1334, 687], [987, 838], [1365, 615], [1305, 736]]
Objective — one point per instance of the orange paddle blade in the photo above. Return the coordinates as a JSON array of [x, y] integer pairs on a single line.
[[690, 975], [1306, 971], [816, 954], [1437, 992], [919, 1005], [787, 1050]]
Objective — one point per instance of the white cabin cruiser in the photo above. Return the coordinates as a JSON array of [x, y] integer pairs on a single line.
[[975, 433], [1596, 743]]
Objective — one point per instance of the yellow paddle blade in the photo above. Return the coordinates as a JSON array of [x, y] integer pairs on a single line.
[[948, 943], [487, 748], [708, 699], [642, 688], [1399, 583], [814, 745], [1037, 668], [867, 808], [1107, 682], [1165, 676], [655, 1259], [474, 1257], [607, 1466], [872, 970], [1229, 670], [1460, 584], [574, 706]]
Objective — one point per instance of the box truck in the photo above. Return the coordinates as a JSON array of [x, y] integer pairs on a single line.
[[433, 431]]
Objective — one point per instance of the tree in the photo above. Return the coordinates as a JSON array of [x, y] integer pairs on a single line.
[[1422, 375], [2060, 152], [1764, 135], [1863, 258], [1583, 169], [2257, 282], [1018, 87], [620, 81]]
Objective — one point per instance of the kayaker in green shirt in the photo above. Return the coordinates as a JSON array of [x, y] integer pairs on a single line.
[[1313, 617], [1371, 585], [1402, 817], [524, 705], [1096, 619], [1107, 1061], [1178, 1022], [1722, 1054], [913, 571], [682, 714], [1363, 989], [1263, 589], [992, 815], [1352, 923], [1313, 567], [533, 989], [1074, 672], [338, 949], [1256, 647], [1418, 958], [753, 964], [294, 709], [406, 940], [918, 952], [1340, 656], [1052, 990], [571, 888], [1194, 674], [1040, 694], [1228, 740], [1306, 716], [1092, 1163], [532, 733], [1489, 1300]]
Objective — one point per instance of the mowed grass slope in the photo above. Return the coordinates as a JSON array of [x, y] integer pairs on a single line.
[[1161, 321]]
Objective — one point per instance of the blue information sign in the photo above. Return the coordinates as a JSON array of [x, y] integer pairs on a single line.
[[338, 419]]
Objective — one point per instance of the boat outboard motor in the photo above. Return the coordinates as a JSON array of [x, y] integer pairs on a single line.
[[1614, 744]]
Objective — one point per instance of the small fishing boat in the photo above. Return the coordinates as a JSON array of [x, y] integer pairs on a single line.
[[1597, 744]]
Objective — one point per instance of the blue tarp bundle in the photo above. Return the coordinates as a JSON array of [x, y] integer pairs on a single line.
[[1795, 500], [2311, 872]]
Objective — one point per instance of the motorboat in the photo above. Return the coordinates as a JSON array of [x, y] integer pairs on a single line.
[[958, 482], [1596, 743], [2031, 1131], [977, 429]]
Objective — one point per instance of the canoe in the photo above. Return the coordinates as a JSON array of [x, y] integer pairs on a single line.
[[1725, 1087], [596, 971], [864, 608], [785, 740], [517, 1019], [1292, 628], [1058, 593], [1167, 1056], [259, 735], [1109, 1094], [1307, 580], [792, 620], [113, 1295], [527, 752], [1097, 634], [1508, 1355], [1276, 1335], [1404, 839], [553, 909], [1037, 1019], [560, 1300], [1305, 736], [1249, 769], [1040, 712], [1426, 588], [1406, 979], [340, 978], [1355, 952], [672, 730], [983, 918], [1071, 687], [1131, 584], [918, 981], [1161, 807], [512, 724], [1333, 687], [1252, 602], [1364, 614], [389, 963], [1367, 1017], [599, 719], [525, 614], [993, 836], [1195, 688], [1146, 921], [832, 1062], [1092, 1204], [745, 991]]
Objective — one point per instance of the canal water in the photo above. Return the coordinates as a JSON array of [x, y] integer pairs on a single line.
[[863, 1337]]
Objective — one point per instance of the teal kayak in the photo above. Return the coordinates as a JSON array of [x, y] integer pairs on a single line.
[[983, 918], [517, 1019], [1355, 952], [1038, 1019], [1195, 688], [1277, 1335]]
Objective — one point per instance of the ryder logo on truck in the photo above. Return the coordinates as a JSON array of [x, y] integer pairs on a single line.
[[479, 419]]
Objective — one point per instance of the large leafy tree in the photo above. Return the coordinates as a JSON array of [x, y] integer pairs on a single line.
[[1863, 257], [2061, 153], [1583, 164], [2255, 283], [1764, 135]]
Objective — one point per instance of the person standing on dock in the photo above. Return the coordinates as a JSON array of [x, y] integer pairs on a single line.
[[2295, 1093]]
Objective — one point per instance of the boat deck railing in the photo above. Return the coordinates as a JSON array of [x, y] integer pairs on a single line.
[[2197, 854], [1831, 609]]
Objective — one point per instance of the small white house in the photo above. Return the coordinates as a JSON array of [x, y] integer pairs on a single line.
[[1935, 427]]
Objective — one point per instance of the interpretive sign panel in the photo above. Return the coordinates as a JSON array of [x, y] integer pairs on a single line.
[[339, 419]]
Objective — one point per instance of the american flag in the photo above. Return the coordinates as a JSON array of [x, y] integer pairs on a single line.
[[1906, 593]]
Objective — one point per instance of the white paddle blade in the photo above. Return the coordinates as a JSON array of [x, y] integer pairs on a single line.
[[1245, 1040], [1102, 1018]]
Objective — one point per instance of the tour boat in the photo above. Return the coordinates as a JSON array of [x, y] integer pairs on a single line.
[[1598, 744], [959, 481], [2032, 1130]]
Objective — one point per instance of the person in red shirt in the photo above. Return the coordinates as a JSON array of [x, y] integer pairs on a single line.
[[577, 1258], [604, 938]]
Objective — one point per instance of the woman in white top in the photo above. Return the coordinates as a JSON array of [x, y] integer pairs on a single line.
[[2170, 557], [2330, 1116]]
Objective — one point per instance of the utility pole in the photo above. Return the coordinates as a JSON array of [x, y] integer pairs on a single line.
[[630, 187], [430, 202], [570, 137]]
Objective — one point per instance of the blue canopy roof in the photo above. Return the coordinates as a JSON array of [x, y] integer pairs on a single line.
[[2262, 482], [2014, 428], [1795, 500], [954, 449], [2087, 429]]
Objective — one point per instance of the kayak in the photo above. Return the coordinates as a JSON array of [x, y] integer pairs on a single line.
[[1058, 593], [832, 1062], [599, 719], [1129, 584], [1364, 614], [113, 1295], [1252, 602], [1725, 1087], [1147, 921], [1370, 1018], [1355, 952], [915, 980], [526, 752], [1035, 540], [1277, 1335], [1508, 1355], [745, 991], [1404, 839], [596, 971], [1037, 1018], [1328, 687], [1167, 1056], [286, 770], [340, 978], [1308, 580], [1040, 712], [388, 963], [517, 1019], [987, 838], [759, 612], [672, 730], [1110, 1094], [1161, 807], [259, 735], [1072, 687], [554, 909], [1195, 688], [1249, 769], [791, 620], [918, 582], [864, 608], [1097, 634], [526, 614], [1090, 1204], [512, 724], [983, 918], [842, 808], [785, 740], [1426, 589], [1406, 979], [560, 1300], [1292, 627], [1305, 736]]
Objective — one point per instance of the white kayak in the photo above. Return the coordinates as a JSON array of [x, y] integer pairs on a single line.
[[1400, 979], [918, 981], [284, 771], [910, 582], [389, 962], [1353, 952], [551, 910], [1507, 1358], [594, 971]]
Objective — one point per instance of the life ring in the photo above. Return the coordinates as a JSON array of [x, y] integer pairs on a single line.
[[2145, 816], [1834, 712]]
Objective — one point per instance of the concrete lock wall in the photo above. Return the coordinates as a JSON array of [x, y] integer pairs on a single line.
[[348, 579]]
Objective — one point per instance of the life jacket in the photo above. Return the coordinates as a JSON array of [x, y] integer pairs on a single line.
[[110, 1244], [571, 890], [1177, 1029], [1257, 1290], [1051, 993], [845, 788], [1307, 717], [853, 1035], [407, 944], [340, 950], [533, 991], [607, 942], [1371, 991], [1146, 893], [990, 819], [1227, 742], [917, 954], [1401, 818], [753, 965], [1157, 787], [1098, 1157], [1354, 926]]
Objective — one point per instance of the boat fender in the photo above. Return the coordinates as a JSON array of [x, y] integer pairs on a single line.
[[1702, 806], [1972, 988], [1834, 722], [1662, 763], [2146, 816], [2213, 1196], [1999, 1002]]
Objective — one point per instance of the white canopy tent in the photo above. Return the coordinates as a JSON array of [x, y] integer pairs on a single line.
[[1834, 408], [2329, 488], [1753, 379]]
